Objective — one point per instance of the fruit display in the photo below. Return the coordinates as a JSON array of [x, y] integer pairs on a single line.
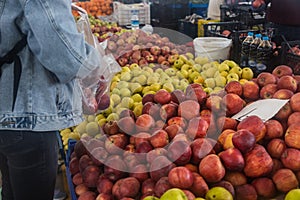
[[95, 8], [182, 143]]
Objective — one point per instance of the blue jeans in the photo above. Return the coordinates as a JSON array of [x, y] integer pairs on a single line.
[[28, 163]]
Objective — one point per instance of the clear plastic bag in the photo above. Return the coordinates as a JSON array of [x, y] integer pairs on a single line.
[[95, 86]]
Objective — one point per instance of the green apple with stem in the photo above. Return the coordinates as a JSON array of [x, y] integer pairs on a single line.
[[238, 70], [184, 73], [178, 63], [186, 67], [137, 110], [232, 76], [125, 69], [170, 71], [137, 97], [247, 73]]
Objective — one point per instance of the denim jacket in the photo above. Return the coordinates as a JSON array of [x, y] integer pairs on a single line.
[[56, 54]]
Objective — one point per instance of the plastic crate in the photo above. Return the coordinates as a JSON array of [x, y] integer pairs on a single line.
[[123, 12], [289, 58], [243, 14], [199, 9], [188, 28]]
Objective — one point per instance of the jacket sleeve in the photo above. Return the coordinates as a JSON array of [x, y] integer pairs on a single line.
[[54, 39]]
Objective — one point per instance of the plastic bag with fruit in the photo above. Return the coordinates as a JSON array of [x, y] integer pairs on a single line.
[[94, 87]]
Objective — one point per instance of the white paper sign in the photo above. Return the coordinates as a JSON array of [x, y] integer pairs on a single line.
[[264, 108]]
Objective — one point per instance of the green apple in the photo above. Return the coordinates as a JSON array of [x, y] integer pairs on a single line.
[[134, 66], [168, 86], [137, 110], [146, 73], [125, 76], [137, 97], [164, 80], [142, 79], [116, 91], [186, 67], [159, 70], [146, 89], [223, 67], [125, 92], [152, 79], [178, 63], [99, 116], [199, 198], [184, 73], [135, 87], [230, 63], [148, 69], [220, 81], [115, 78], [136, 72], [210, 82], [201, 60], [150, 198], [122, 84], [101, 122], [127, 102], [232, 76], [199, 79], [155, 86], [206, 66], [238, 70], [151, 65], [174, 194], [218, 193], [293, 194], [112, 117], [125, 69], [217, 89], [224, 73], [190, 55], [210, 72], [197, 67], [193, 75], [170, 71], [247, 73], [179, 75]]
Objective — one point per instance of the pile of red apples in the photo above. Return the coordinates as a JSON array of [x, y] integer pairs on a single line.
[[142, 48], [188, 140]]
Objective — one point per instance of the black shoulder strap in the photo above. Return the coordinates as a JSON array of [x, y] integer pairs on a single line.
[[10, 57]]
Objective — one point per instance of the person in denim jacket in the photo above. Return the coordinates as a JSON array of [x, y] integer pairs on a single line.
[[41, 55]]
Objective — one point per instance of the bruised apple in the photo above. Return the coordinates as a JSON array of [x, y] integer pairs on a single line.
[[257, 162], [211, 168]]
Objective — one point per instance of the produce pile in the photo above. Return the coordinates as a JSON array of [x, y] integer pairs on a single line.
[[95, 8], [168, 131]]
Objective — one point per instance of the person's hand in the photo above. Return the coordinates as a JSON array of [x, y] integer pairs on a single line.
[[257, 3]]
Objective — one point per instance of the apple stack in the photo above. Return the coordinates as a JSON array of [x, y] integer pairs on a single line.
[[189, 140]]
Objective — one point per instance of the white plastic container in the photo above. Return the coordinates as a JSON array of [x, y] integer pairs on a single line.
[[215, 48]]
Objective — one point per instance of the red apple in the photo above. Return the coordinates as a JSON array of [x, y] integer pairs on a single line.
[[159, 139], [211, 168], [265, 78], [179, 152], [127, 125], [282, 70], [199, 187], [264, 187], [290, 159], [177, 96], [155, 50], [276, 147], [162, 96], [197, 128], [200, 148], [161, 186], [234, 87], [251, 90], [77, 179], [180, 121], [295, 102], [168, 111], [144, 122], [147, 98], [225, 184], [114, 168], [233, 103], [292, 136], [173, 130], [244, 140], [160, 167], [152, 109], [181, 177], [189, 109], [232, 159], [283, 94], [189, 194], [283, 114], [274, 129], [115, 144], [224, 123], [196, 94], [148, 186], [151, 155], [140, 172], [294, 118], [139, 138], [90, 175], [287, 82], [267, 91], [245, 192], [104, 185], [255, 125], [126, 187], [103, 196], [214, 103], [285, 180], [257, 162], [236, 178]]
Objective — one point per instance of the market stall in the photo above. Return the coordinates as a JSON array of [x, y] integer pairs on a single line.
[[179, 124]]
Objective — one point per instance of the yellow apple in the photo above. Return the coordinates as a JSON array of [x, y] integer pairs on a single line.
[[247, 73]]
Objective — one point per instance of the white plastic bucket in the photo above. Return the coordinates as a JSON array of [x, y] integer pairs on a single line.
[[215, 48]]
